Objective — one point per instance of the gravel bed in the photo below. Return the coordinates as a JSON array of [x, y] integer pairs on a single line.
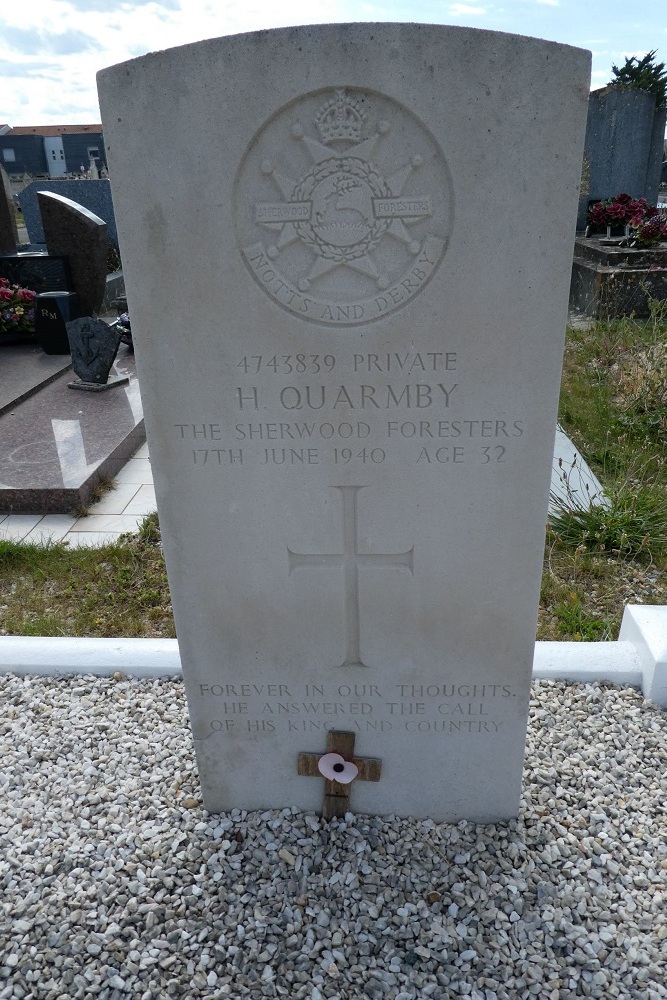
[[115, 883]]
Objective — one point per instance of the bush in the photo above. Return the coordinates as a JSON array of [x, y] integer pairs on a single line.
[[643, 74]]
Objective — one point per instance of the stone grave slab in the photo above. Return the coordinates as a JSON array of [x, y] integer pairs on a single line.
[[55, 445], [353, 393], [25, 370]]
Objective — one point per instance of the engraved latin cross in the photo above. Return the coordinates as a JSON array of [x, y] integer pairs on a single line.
[[350, 560]]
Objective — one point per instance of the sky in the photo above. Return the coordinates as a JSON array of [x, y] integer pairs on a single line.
[[50, 50]]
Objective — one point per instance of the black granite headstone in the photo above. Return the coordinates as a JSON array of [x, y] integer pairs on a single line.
[[94, 346], [53, 310], [37, 271], [71, 229], [9, 236]]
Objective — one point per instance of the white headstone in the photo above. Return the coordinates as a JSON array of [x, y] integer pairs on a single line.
[[348, 290]]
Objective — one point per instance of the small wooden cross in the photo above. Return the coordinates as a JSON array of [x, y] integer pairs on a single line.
[[336, 795]]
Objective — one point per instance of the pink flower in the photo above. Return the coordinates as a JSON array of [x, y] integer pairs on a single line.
[[597, 215], [623, 199], [336, 768], [616, 212], [639, 207], [650, 231], [17, 314]]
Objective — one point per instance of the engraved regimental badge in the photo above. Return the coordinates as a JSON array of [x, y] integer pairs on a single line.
[[343, 207]]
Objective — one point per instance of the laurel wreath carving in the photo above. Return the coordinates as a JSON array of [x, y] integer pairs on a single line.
[[352, 167]]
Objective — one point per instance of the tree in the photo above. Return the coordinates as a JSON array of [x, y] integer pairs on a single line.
[[643, 74]]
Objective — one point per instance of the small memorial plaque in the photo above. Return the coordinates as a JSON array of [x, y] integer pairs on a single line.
[[94, 346]]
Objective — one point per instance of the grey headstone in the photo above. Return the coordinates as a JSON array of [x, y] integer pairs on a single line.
[[360, 286], [9, 235], [655, 157], [94, 345], [623, 148], [72, 230]]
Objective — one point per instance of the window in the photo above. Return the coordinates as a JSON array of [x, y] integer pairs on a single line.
[[93, 152], [9, 156]]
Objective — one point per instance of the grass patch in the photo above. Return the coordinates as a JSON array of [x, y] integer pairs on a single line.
[[117, 590], [600, 557], [633, 523], [614, 394], [574, 621]]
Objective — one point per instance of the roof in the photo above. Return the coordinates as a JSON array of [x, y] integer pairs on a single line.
[[54, 129]]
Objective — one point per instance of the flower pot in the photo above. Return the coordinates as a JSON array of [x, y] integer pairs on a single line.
[[52, 311]]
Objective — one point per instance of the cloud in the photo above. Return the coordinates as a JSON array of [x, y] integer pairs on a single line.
[[73, 39], [66, 43], [40, 71], [102, 6], [15, 70], [548, 3], [70, 42], [465, 10], [22, 40]]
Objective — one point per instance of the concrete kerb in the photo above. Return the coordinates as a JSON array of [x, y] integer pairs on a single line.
[[637, 659], [58, 656], [645, 628]]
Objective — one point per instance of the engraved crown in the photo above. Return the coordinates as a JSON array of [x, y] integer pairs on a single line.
[[341, 118]]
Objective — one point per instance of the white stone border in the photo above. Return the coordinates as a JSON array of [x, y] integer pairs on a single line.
[[645, 627], [54, 657], [638, 659]]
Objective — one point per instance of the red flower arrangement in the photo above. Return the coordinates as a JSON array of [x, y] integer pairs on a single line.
[[653, 230], [648, 226], [17, 312], [623, 210]]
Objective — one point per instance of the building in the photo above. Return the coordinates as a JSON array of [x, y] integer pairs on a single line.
[[50, 150]]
